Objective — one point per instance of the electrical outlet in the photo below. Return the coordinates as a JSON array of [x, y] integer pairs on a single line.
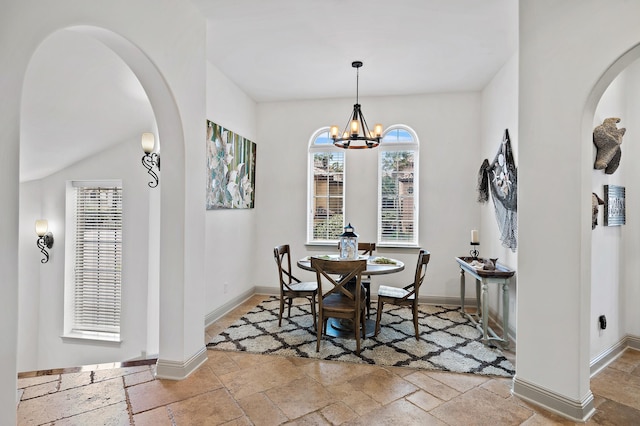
[[602, 322]]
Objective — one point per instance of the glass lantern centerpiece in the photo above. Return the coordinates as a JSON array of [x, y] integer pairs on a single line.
[[348, 244]]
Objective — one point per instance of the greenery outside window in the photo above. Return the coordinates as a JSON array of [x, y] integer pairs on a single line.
[[326, 183]]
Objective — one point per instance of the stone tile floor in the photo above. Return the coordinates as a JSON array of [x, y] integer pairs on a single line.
[[246, 389]]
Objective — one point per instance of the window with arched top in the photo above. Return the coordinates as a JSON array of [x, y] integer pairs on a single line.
[[398, 187], [326, 183]]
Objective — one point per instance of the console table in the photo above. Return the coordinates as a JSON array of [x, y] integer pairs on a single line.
[[480, 319]]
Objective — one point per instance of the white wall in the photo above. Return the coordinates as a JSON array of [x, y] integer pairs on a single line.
[[230, 233], [614, 288], [30, 267], [607, 250], [52, 351], [448, 127], [562, 60], [499, 112], [169, 60], [630, 294]]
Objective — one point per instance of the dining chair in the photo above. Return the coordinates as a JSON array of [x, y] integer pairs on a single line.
[[407, 296], [340, 295], [290, 286], [366, 249]]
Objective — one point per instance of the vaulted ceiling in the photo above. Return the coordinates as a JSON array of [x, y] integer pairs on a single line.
[[80, 98]]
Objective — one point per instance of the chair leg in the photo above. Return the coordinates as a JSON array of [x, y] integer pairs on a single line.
[[363, 321], [356, 329], [321, 322], [289, 311], [281, 311], [415, 321], [378, 316], [313, 311], [367, 288]]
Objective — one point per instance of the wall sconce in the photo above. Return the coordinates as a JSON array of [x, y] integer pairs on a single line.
[[150, 159], [45, 239]]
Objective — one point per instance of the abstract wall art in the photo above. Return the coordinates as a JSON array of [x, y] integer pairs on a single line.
[[231, 169]]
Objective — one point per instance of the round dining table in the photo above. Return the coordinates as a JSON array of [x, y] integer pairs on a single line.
[[376, 265], [373, 268]]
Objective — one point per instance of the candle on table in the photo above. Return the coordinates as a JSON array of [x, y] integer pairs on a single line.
[[474, 236]]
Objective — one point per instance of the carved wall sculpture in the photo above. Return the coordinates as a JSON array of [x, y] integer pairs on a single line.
[[607, 139], [595, 202]]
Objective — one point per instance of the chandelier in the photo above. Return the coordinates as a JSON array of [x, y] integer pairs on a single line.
[[356, 134]]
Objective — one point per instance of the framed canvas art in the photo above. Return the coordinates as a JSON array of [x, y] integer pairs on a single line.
[[614, 205], [231, 169]]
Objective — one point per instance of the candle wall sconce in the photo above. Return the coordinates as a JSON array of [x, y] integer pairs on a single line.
[[150, 159], [45, 238]]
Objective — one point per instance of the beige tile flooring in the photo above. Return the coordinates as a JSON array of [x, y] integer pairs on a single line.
[[246, 389]]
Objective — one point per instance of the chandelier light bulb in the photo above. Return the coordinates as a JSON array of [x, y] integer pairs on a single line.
[[354, 128]]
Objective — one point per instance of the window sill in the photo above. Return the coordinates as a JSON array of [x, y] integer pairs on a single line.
[[88, 336], [322, 244], [396, 245]]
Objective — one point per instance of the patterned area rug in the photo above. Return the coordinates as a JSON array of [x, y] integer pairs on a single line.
[[448, 341]]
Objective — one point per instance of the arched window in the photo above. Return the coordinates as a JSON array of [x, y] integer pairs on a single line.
[[398, 187], [326, 180]]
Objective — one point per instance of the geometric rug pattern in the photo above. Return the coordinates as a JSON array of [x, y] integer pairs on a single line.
[[448, 341]]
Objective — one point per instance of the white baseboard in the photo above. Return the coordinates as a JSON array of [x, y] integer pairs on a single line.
[[218, 313], [578, 411], [175, 370], [268, 291], [609, 355]]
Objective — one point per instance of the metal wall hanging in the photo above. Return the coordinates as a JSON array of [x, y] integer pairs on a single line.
[[614, 205]]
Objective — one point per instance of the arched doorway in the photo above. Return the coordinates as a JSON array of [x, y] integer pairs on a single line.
[[614, 248], [170, 232]]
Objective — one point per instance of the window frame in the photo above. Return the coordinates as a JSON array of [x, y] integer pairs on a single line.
[[314, 148], [71, 329], [387, 146]]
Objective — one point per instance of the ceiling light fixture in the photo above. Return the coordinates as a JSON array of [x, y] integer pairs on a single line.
[[356, 134]]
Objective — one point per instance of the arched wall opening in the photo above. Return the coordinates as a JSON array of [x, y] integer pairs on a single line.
[[613, 249], [163, 212]]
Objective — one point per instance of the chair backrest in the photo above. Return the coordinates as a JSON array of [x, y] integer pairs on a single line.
[[421, 271], [282, 256], [364, 248], [367, 248], [336, 274]]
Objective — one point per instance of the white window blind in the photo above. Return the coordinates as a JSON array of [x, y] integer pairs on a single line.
[[325, 219], [398, 171], [98, 259]]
